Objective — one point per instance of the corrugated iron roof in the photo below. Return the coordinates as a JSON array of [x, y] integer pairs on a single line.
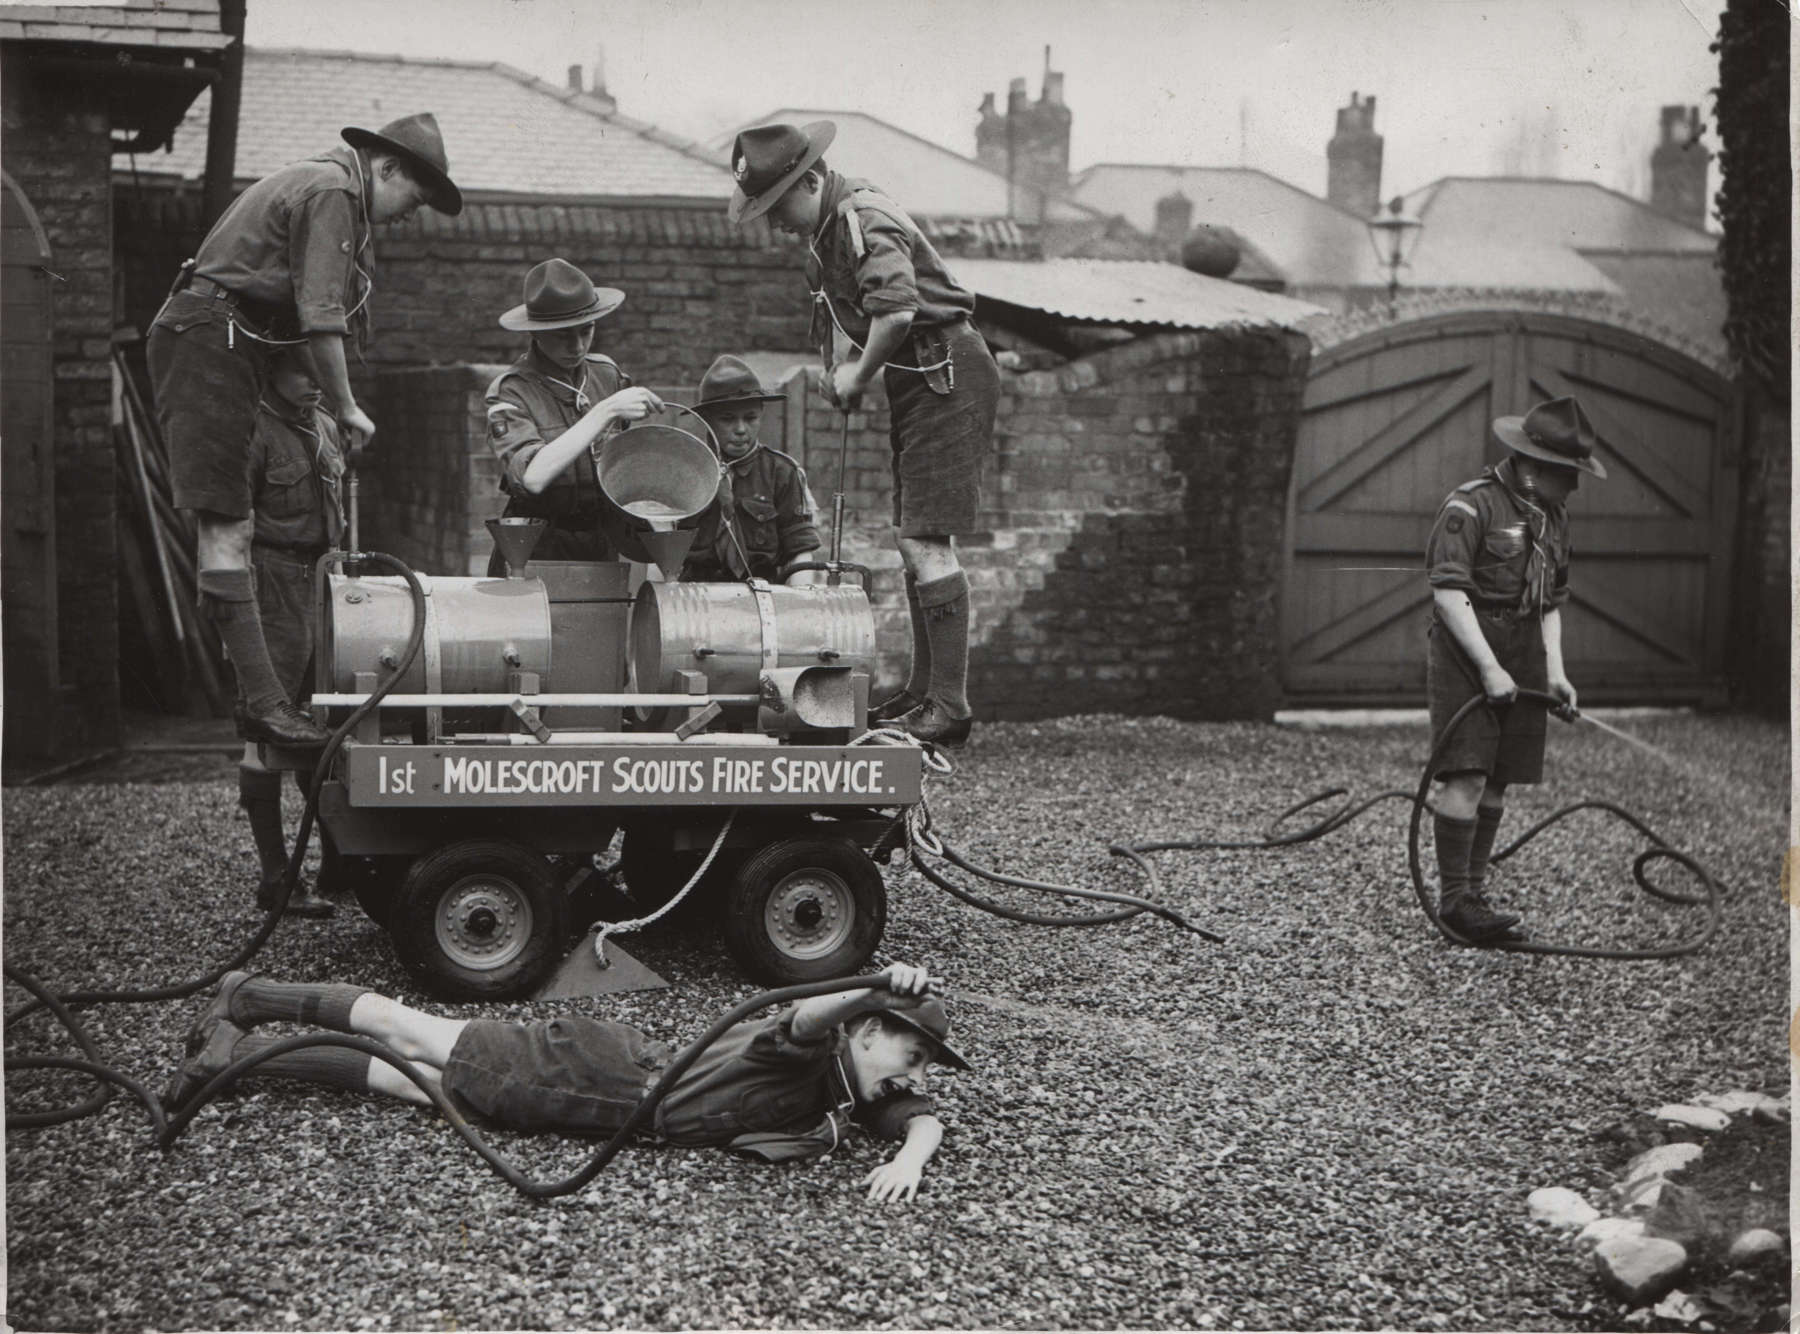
[[1128, 292], [504, 130], [926, 179]]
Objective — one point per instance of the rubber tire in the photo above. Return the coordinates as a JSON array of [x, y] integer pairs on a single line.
[[654, 871], [744, 921], [517, 873]]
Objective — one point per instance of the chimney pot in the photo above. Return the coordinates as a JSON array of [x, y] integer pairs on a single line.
[[575, 79]]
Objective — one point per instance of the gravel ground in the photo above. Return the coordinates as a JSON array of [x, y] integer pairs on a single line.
[[1331, 1121]]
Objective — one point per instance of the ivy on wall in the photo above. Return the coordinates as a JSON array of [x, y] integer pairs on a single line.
[[1755, 185]]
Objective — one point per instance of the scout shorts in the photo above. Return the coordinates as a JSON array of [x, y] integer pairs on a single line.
[[284, 593], [1506, 744], [572, 1075], [942, 430], [206, 394]]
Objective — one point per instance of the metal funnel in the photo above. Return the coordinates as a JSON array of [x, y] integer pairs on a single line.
[[517, 539], [668, 547]]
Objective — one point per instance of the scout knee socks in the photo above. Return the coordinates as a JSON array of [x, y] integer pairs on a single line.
[[944, 608], [228, 598], [327, 1004], [1487, 825], [1454, 838], [259, 793], [918, 682], [337, 1067]]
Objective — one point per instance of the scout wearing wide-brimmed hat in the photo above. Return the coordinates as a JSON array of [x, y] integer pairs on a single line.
[[288, 268], [290, 263], [541, 395], [767, 502], [880, 289], [1498, 562]]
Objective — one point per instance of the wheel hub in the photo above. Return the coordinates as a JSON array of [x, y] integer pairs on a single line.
[[809, 914], [483, 922]]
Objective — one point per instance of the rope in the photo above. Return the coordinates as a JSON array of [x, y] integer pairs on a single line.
[[605, 929]]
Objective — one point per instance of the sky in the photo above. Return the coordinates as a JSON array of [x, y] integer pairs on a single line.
[[1567, 88]]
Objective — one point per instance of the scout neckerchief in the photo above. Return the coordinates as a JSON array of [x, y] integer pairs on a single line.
[[1538, 564]]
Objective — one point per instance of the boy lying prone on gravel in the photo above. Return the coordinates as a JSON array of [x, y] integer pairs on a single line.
[[782, 1087]]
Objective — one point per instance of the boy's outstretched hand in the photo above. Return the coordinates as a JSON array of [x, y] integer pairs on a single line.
[[895, 1182]]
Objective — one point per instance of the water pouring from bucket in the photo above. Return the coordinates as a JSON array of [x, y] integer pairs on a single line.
[[657, 481]]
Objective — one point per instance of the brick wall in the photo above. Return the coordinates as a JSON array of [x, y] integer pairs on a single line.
[[57, 135], [1134, 504], [433, 479], [695, 285]]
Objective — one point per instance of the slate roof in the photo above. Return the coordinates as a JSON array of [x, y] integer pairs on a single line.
[[1524, 211], [1310, 242], [505, 132], [926, 178], [1130, 292], [1682, 288], [191, 25]]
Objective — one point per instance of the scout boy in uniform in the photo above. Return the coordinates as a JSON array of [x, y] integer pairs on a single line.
[[298, 516], [534, 402], [289, 264], [1499, 569], [879, 284], [767, 504], [779, 1088]]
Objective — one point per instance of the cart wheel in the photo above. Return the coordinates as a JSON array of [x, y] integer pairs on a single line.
[[375, 881], [802, 909], [481, 919], [654, 871]]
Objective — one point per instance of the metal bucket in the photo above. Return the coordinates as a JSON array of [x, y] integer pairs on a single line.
[[721, 630], [655, 482], [477, 632]]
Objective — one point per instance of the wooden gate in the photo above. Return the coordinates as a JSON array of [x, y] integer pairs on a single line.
[[27, 478], [1394, 420]]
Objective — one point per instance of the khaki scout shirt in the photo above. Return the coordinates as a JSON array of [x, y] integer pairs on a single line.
[[291, 244], [771, 507], [529, 405], [1502, 549], [758, 1082], [295, 466], [869, 258]]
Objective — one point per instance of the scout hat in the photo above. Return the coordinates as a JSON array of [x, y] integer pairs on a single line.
[[768, 159], [929, 1019], [415, 139], [1556, 432], [729, 382], [560, 296]]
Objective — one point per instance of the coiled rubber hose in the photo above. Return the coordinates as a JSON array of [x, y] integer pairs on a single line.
[[1660, 850], [60, 1005], [1274, 837]]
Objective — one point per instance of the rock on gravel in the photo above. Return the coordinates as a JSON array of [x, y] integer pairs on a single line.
[[1639, 1269]]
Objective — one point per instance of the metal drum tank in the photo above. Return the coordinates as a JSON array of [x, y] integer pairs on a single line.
[[477, 632], [732, 633]]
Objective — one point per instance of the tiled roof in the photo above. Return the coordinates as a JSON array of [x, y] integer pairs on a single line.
[[1134, 292], [1310, 242], [926, 179], [177, 25], [505, 132], [1443, 259], [1538, 211]]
